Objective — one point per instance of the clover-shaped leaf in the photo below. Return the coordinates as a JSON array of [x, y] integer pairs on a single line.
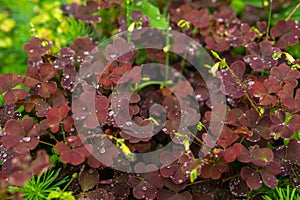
[[231, 86], [40, 78], [233, 152], [284, 73], [261, 156], [260, 56], [103, 154], [75, 151], [8, 82], [199, 18], [82, 48], [243, 36], [288, 33], [214, 170], [265, 91], [254, 178], [36, 49], [217, 43], [56, 117], [90, 112], [21, 137], [120, 50], [145, 185], [87, 12], [283, 125]]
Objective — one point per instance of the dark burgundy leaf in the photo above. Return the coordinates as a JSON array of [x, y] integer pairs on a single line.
[[231, 85], [120, 50], [260, 56], [87, 12], [288, 33]]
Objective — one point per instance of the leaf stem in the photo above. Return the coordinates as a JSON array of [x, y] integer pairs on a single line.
[[202, 181], [293, 11], [269, 19], [63, 132], [68, 184], [242, 86], [128, 19], [229, 178], [46, 143], [168, 46], [139, 87]]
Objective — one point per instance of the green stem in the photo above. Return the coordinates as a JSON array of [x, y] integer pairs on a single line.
[[46, 143], [269, 19], [168, 46], [139, 87], [245, 90], [293, 11], [165, 9], [63, 132], [128, 19], [73, 177], [183, 64], [202, 181]]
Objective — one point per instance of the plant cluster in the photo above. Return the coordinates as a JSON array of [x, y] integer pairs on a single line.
[[47, 121]]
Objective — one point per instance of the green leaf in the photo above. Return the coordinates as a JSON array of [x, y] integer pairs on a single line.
[[287, 119], [199, 126], [59, 194], [148, 9], [256, 3], [194, 174], [186, 144], [20, 109], [178, 134], [215, 54], [238, 5], [1, 99]]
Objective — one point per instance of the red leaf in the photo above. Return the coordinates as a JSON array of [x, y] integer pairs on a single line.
[[262, 156], [47, 72], [233, 152], [61, 147]]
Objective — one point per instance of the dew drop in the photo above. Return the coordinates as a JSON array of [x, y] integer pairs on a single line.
[[198, 96], [4, 155], [26, 139], [144, 188], [113, 56], [111, 113], [129, 123], [102, 150]]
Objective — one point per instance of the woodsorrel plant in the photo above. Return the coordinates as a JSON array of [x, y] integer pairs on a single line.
[[257, 146]]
